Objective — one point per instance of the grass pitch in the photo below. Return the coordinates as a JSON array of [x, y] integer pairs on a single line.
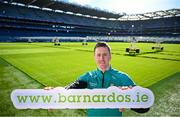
[[35, 65]]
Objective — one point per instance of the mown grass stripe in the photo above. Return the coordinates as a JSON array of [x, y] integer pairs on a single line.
[[8, 82], [22, 71]]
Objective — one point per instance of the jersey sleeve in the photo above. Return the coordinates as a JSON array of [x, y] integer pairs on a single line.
[[84, 77], [80, 83], [127, 81]]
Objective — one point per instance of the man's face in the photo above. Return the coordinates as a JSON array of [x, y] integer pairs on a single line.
[[102, 58]]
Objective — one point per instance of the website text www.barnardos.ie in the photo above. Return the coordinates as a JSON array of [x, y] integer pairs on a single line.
[[60, 98]]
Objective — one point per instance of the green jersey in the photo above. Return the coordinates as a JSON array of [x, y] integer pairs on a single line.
[[98, 79]]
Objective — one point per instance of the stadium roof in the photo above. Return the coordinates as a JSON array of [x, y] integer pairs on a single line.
[[94, 13], [67, 7], [152, 15]]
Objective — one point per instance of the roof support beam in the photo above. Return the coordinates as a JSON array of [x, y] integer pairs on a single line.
[[48, 4], [31, 2]]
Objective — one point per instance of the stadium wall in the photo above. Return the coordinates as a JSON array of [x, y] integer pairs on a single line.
[[21, 21]]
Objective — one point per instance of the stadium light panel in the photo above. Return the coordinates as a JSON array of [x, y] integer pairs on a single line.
[[31, 6], [71, 13], [95, 17], [103, 18], [59, 11], [78, 14], [87, 15], [47, 9], [112, 19], [5, 2], [19, 4]]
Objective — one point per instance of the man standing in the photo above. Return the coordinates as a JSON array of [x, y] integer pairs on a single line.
[[103, 77]]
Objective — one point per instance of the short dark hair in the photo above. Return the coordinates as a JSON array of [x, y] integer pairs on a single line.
[[102, 44]]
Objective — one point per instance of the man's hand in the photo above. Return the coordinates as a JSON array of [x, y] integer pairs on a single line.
[[48, 88], [121, 110], [124, 88]]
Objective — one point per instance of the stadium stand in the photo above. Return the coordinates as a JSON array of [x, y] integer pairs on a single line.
[[56, 18]]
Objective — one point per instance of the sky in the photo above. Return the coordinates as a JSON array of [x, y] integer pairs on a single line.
[[129, 6]]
